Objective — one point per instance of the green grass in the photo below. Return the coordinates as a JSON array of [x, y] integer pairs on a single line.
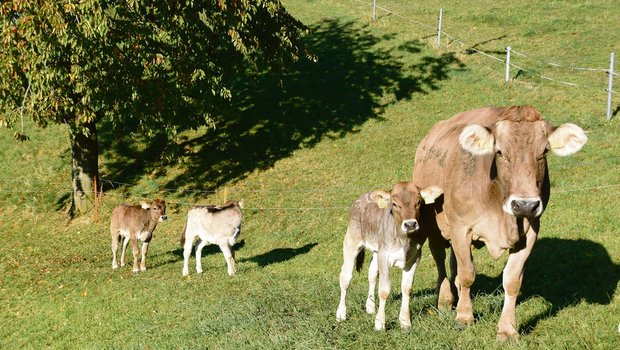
[[318, 138]]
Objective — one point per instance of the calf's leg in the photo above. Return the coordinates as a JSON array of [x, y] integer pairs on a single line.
[[407, 282], [136, 252], [115, 236], [201, 244], [350, 250], [384, 291], [373, 272], [145, 250], [187, 252], [229, 257], [124, 248]]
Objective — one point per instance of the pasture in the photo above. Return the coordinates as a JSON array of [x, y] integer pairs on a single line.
[[298, 150]]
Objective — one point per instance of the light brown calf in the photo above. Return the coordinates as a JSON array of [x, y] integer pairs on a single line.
[[386, 224], [492, 166], [135, 222]]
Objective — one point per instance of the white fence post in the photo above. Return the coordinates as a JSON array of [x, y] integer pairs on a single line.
[[508, 64], [610, 84], [439, 28], [374, 10]]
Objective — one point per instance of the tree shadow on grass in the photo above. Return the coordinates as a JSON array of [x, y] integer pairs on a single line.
[[279, 255], [357, 76], [564, 272]]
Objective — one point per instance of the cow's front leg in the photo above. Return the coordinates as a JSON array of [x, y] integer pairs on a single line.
[[466, 274], [511, 280], [145, 250], [407, 282], [445, 296], [384, 291], [136, 252]]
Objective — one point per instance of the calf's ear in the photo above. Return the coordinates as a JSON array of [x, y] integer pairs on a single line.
[[382, 198], [567, 139], [477, 140], [431, 193], [144, 205]]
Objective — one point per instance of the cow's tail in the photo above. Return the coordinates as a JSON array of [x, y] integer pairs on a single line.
[[183, 234], [359, 260]]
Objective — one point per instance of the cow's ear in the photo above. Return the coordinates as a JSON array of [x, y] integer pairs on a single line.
[[477, 140], [567, 139], [382, 198], [431, 193], [144, 205]]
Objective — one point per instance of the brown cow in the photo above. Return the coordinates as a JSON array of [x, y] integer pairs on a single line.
[[384, 223], [135, 222], [491, 164]]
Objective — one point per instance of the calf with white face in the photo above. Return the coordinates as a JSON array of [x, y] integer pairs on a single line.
[[386, 224], [135, 223]]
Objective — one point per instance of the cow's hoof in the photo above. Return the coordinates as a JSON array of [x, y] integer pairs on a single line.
[[370, 306], [341, 313], [405, 324], [143, 269], [135, 272], [114, 267], [198, 270], [379, 326], [465, 320], [505, 336]]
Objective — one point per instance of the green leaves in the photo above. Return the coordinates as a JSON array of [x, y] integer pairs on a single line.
[[162, 64]]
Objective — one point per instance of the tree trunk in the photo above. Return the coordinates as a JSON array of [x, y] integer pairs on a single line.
[[84, 167]]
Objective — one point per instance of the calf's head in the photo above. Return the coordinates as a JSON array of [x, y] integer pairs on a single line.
[[519, 164], [156, 209], [404, 201]]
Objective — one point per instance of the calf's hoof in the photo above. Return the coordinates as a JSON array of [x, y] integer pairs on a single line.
[[370, 306], [114, 267], [379, 325], [341, 313], [405, 324], [507, 335], [143, 269]]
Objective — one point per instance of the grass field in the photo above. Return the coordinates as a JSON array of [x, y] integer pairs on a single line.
[[298, 151]]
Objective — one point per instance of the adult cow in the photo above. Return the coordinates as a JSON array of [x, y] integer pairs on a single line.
[[491, 164]]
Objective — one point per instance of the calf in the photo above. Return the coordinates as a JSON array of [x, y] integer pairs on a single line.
[[135, 222], [385, 223], [212, 225]]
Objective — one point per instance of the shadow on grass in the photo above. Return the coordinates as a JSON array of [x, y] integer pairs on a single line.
[[564, 272], [279, 255], [357, 76]]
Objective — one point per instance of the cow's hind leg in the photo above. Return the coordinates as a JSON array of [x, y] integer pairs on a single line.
[[350, 250], [187, 252], [115, 236], [445, 296], [373, 272], [136, 252], [201, 244], [124, 249], [229, 257]]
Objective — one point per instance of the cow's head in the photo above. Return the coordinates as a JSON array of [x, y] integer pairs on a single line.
[[404, 201], [157, 209], [519, 164]]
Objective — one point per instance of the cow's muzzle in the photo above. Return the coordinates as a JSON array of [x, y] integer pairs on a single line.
[[409, 226], [163, 218], [524, 207]]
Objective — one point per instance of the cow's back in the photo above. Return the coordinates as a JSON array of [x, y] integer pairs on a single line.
[[128, 217], [212, 226]]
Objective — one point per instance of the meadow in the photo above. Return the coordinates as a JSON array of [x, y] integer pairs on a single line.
[[298, 149]]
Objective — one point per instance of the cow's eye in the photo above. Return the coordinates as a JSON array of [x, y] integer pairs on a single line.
[[500, 154]]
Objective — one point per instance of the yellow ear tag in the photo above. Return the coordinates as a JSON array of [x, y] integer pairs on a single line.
[[382, 203]]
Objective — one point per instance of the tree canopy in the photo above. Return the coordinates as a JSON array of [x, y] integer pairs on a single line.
[[156, 65]]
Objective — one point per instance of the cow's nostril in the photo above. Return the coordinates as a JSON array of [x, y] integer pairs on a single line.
[[411, 225], [524, 207]]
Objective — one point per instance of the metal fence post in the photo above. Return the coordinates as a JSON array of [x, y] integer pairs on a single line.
[[610, 84], [374, 9], [508, 64], [439, 28]]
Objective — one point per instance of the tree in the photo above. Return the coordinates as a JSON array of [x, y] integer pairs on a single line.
[[158, 65]]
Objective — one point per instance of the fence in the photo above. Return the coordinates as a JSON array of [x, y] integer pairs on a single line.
[[610, 71]]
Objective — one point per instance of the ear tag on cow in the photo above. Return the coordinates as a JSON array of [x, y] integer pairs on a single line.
[[382, 203]]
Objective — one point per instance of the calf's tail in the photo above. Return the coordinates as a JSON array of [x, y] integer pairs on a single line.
[[183, 234], [359, 260]]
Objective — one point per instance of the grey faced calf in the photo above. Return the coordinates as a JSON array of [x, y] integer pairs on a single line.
[[212, 225], [133, 223], [385, 223]]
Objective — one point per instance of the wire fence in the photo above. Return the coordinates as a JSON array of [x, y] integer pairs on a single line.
[[508, 65]]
